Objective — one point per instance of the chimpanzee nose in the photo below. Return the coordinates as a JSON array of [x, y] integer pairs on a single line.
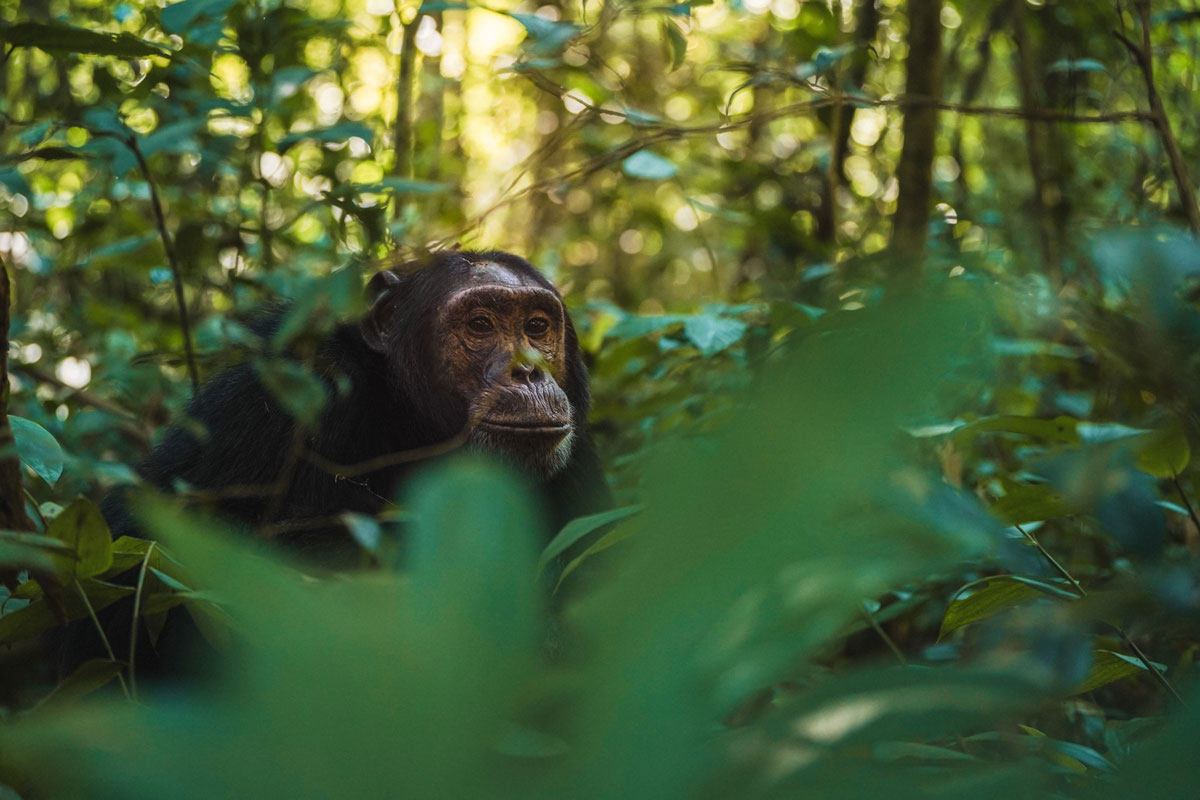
[[527, 373]]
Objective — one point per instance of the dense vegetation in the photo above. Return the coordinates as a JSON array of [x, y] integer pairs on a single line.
[[891, 313]]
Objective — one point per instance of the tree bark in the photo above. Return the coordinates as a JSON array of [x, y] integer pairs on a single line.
[[13, 516], [923, 89], [1035, 143]]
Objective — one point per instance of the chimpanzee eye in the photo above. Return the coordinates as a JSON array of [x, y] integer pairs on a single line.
[[479, 324], [536, 327]]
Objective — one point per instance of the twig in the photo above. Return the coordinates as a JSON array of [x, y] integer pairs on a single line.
[[657, 133], [156, 203], [883, 635], [1146, 662], [1144, 57], [133, 628], [1187, 503], [103, 637]]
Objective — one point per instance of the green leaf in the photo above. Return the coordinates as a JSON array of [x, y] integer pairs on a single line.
[[178, 17], [1108, 667], [58, 37], [297, 389], [1076, 65], [392, 185], [1060, 429], [38, 617], [606, 541], [580, 527], [644, 164], [37, 448], [992, 596], [82, 527], [713, 334], [676, 43], [87, 678], [1163, 453], [334, 133], [1024, 504], [549, 36], [34, 551]]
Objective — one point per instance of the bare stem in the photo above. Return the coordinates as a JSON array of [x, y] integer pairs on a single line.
[[1146, 662], [1143, 55], [100, 630], [169, 246]]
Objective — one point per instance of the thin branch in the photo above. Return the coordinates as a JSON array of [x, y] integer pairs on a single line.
[[656, 133], [103, 637], [1144, 57], [1146, 662], [1187, 503], [169, 246], [133, 628], [883, 635]]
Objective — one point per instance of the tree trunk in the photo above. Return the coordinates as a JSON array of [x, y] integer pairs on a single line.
[[923, 90]]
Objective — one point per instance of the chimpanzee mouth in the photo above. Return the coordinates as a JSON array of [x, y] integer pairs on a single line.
[[526, 426]]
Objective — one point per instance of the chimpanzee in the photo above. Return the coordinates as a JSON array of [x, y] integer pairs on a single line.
[[463, 347]]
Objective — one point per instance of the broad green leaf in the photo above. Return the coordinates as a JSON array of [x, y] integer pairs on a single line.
[[713, 334], [178, 17], [1108, 667], [87, 678], [37, 448], [580, 527], [676, 43], [82, 527], [58, 37], [37, 616], [644, 164], [548, 36], [36, 552], [1163, 453], [1034, 503], [991, 596]]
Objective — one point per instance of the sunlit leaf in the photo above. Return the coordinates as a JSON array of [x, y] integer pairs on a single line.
[[644, 164], [178, 17], [1108, 667], [991, 596]]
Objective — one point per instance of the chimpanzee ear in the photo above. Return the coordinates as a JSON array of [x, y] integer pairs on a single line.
[[380, 289]]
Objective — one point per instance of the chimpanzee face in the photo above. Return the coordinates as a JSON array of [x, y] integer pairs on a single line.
[[503, 351], [484, 343]]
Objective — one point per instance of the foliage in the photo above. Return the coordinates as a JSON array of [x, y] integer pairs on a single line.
[[875, 531]]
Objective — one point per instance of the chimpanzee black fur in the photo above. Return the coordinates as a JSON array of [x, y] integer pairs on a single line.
[[389, 403]]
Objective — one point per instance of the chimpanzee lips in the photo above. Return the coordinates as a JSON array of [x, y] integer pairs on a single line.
[[532, 426]]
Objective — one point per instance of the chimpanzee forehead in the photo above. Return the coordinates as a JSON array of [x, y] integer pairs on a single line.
[[491, 273]]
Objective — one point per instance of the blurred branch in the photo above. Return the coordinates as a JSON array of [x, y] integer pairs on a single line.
[[1034, 140], [659, 132], [1079, 590], [169, 246], [1144, 57], [403, 135], [914, 172]]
